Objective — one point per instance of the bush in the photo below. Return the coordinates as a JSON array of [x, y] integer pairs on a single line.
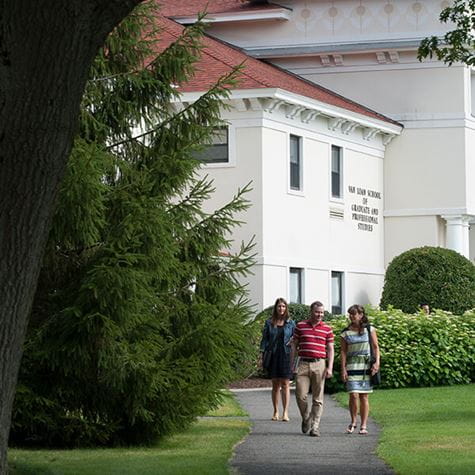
[[418, 350], [441, 277]]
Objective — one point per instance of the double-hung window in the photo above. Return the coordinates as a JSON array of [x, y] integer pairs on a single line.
[[337, 293], [337, 172], [217, 151], [295, 162], [296, 284]]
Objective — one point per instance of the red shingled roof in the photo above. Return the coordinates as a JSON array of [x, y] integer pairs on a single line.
[[180, 8], [218, 58]]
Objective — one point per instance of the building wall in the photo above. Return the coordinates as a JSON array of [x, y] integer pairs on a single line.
[[294, 228], [407, 232], [297, 228], [245, 149], [425, 171], [327, 22], [407, 91], [430, 168]]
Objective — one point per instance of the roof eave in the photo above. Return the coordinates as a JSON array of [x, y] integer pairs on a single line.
[[281, 14], [340, 116]]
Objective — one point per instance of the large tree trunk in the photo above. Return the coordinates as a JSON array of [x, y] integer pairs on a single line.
[[46, 48]]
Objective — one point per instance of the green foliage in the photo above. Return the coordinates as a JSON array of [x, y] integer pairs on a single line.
[[441, 277], [418, 349], [138, 320], [457, 45]]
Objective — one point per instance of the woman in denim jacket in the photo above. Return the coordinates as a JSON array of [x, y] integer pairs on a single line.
[[275, 355]]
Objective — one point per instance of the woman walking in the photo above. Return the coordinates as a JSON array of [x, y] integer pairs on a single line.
[[356, 365], [275, 345]]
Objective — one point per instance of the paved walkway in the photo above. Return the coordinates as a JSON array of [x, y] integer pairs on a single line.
[[275, 447]]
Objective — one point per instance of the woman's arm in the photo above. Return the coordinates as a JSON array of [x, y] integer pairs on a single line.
[[344, 351], [265, 338], [264, 343], [375, 347]]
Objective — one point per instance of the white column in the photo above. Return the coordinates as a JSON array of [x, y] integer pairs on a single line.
[[457, 228]]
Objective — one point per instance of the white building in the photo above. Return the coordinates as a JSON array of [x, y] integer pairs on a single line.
[[338, 189]]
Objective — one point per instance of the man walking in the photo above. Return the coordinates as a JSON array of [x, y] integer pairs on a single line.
[[313, 340]]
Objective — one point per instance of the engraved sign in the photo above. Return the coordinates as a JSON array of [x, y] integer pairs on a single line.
[[365, 211]]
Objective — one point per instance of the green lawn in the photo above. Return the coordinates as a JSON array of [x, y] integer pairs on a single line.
[[426, 430], [203, 449]]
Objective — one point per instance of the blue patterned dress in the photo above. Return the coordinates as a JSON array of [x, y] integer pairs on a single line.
[[357, 361]]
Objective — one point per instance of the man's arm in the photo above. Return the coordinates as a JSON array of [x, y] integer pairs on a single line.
[[330, 358], [294, 351]]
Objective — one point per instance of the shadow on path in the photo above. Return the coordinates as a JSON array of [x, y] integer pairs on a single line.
[[276, 447]]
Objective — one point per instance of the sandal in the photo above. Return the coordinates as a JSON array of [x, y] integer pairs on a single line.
[[351, 428], [275, 417], [363, 430]]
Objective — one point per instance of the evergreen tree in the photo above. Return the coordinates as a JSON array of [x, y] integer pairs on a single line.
[[138, 319]]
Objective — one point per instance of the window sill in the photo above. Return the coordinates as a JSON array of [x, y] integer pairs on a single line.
[[296, 192], [218, 165], [337, 201]]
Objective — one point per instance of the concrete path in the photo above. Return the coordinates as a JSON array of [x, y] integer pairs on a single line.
[[275, 447]]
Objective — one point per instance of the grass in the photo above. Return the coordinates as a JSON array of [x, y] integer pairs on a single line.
[[426, 430], [228, 408], [205, 448]]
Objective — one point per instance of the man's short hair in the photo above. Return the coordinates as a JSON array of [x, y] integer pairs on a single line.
[[317, 303]]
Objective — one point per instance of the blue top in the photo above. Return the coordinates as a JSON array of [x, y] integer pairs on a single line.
[[269, 335]]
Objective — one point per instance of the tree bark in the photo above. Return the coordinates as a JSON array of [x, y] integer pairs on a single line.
[[46, 49]]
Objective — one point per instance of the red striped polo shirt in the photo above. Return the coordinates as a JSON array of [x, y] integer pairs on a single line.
[[312, 340]]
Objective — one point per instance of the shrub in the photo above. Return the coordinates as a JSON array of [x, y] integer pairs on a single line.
[[418, 350], [441, 277]]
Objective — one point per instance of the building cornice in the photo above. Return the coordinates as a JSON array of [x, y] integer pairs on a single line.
[[443, 212], [278, 14], [301, 108], [333, 48]]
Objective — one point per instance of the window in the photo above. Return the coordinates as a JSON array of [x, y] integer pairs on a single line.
[[337, 293], [218, 150], [295, 163], [472, 92], [295, 285], [336, 172]]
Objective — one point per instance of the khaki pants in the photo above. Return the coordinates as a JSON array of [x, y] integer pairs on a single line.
[[310, 374]]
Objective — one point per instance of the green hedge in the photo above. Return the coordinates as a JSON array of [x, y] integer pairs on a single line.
[[441, 277], [418, 350]]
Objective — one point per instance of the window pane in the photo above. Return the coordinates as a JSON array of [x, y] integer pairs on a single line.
[[295, 285], [217, 150], [336, 171], [337, 292], [294, 162]]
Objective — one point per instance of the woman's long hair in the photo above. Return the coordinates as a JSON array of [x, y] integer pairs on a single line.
[[364, 322], [275, 316]]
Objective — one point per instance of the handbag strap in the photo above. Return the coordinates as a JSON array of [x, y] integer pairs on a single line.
[[368, 328]]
